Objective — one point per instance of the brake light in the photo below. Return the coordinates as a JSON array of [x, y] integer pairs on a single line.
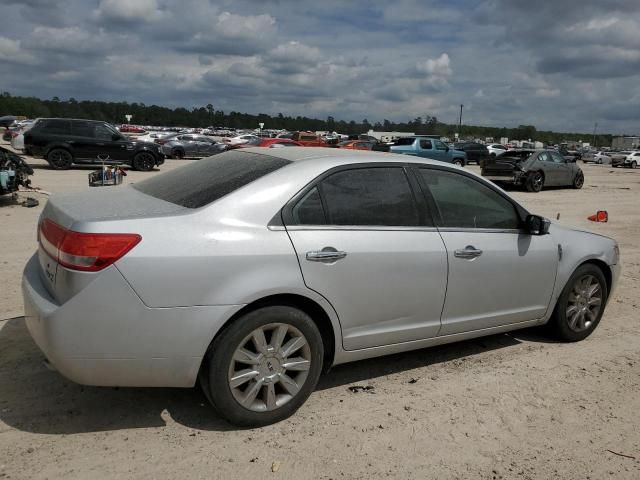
[[87, 252]]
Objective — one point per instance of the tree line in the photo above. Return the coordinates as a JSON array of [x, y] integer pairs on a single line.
[[207, 115]]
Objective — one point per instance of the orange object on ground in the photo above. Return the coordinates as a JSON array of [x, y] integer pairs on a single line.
[[600, 216]]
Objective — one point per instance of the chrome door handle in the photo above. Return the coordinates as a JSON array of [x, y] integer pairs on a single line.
[[468, 252], [327, 254]]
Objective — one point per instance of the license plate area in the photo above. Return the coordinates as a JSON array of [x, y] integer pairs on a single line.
[[49, 269]]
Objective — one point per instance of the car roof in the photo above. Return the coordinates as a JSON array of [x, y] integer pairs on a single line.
[[341, 156]]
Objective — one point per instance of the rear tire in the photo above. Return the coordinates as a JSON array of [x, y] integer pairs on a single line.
[[534, 182], [144, 161], [580, 305], [459, 162], [251, 377], [578, 180], [60, 159]]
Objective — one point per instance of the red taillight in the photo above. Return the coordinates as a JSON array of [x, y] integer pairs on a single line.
[[88, 252]]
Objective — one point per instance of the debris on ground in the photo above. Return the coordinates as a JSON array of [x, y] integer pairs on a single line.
[[362, 388], [30, 202]]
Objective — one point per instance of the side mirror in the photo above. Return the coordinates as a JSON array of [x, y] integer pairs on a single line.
[[537, 225], [446, 148], [116, 136]]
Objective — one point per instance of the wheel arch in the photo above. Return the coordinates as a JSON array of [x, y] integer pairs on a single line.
[[606, 270], [309, 306], [58, 146]]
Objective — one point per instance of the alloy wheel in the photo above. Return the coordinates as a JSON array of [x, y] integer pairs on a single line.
[[269, 367], [144, 161], [584, 303]]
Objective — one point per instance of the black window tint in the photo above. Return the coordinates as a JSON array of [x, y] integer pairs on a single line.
[[207, 180], [405, 141], [102, 132], [369, 196], [55, 127], [309, 211], [82, 129], [426, 144], [466, 203]]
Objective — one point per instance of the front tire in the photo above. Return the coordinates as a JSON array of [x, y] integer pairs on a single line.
[[144, 161], [535, 182], [178, 154], [263, 366], [60, 159], [581, 304], [634, 164]]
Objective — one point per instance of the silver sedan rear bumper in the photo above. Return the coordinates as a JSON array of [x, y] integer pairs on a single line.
[[106, 336]]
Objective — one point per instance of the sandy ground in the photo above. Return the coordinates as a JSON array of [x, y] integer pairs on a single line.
[[507, 406]]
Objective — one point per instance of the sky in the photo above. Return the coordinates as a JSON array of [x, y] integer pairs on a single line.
[[559, 65]]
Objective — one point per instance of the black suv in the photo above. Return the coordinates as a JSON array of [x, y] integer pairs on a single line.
[[476, 152], [63, 142]]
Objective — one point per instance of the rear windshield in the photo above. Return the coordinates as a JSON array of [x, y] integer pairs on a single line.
[[209, 179]]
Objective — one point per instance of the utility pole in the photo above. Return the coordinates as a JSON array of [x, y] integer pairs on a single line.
[[594, 134], [460, 123]]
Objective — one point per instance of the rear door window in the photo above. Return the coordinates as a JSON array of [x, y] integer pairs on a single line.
[[377, 196], [55, 126], [207, 180], [425, 144], [82, 128]]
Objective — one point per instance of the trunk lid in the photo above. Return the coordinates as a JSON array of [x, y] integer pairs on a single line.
[[91, 212], [505, 164]]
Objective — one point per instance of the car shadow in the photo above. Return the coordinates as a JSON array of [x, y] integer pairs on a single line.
[[34, 399]]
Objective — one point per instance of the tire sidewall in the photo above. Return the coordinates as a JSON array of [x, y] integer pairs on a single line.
[[530, 182], [577, 185], [221, 352], [64, 166], [559, 322], [138, 163]]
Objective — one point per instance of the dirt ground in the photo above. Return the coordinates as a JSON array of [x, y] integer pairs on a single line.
[[507, 406]]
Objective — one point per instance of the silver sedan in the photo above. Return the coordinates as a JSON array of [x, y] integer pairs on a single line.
[[251, 272]]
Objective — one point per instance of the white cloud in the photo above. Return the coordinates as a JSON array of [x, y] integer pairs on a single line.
[[11, 51], [128, 10], [438, 70]]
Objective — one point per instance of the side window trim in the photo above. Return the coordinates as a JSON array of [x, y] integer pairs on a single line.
[[437, 217], [285, 216]]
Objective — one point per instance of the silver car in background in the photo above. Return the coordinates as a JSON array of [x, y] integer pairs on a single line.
[[253, 271], [192, 146]]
